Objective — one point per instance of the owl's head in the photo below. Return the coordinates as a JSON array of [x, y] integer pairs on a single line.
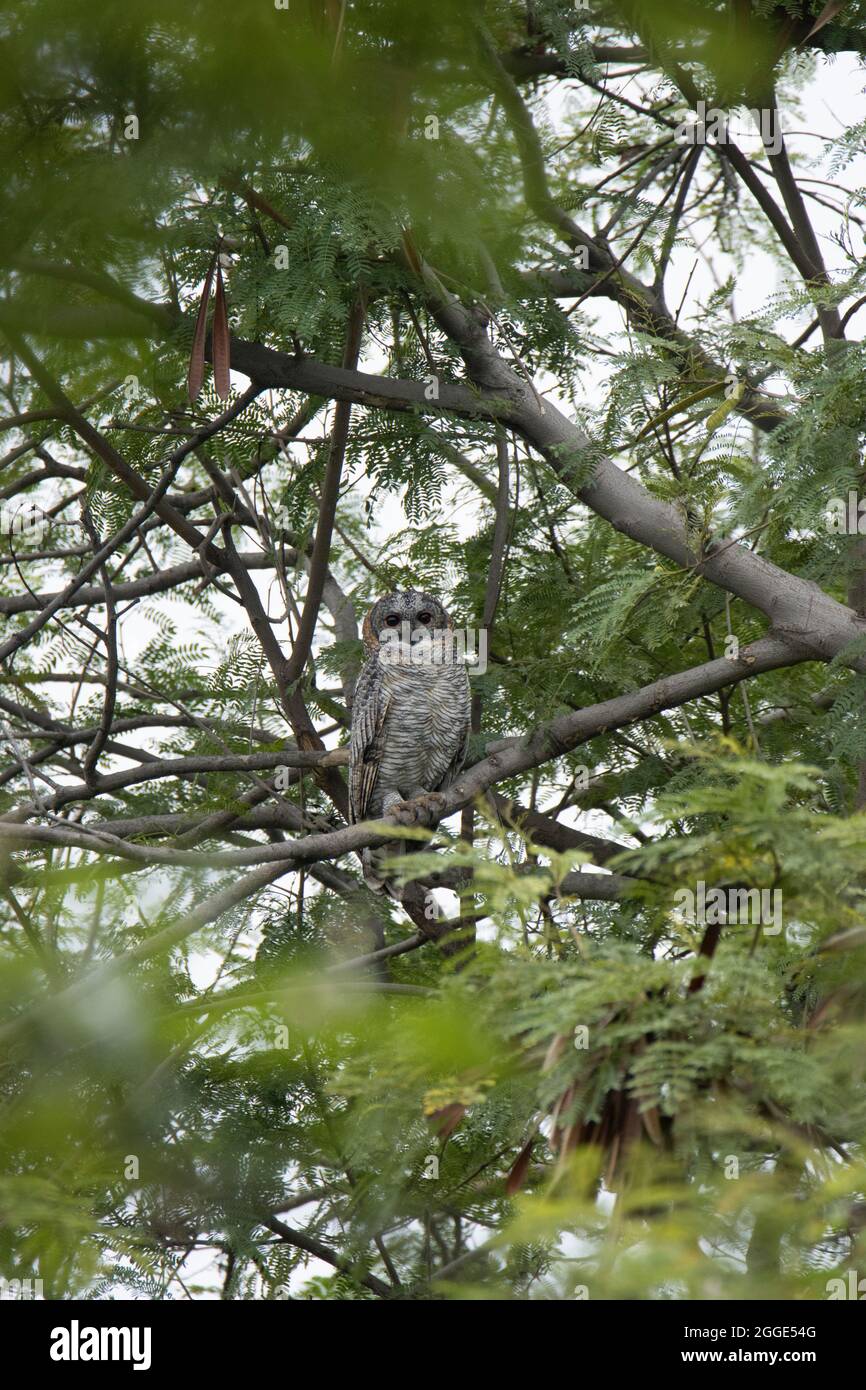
[[421, 613]]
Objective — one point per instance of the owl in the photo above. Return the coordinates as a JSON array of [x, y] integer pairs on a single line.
[[410, 713]]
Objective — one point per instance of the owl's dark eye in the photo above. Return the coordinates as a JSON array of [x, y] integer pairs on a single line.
[[424, 617], [392, 619]]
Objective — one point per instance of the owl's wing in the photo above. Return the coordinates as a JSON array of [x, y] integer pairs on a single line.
[[455, 766], [369, 707]]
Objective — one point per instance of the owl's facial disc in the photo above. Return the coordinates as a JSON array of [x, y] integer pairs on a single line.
[[407, 617]]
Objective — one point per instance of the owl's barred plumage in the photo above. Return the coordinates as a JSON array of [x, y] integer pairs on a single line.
[[410, 712]]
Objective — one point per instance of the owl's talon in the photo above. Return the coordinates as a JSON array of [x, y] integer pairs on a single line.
[[424, 809], [434, 805]]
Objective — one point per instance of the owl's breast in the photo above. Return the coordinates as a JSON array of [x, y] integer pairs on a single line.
[[428, 710]]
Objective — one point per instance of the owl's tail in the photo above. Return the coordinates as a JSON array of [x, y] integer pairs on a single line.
[[377, 879]]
